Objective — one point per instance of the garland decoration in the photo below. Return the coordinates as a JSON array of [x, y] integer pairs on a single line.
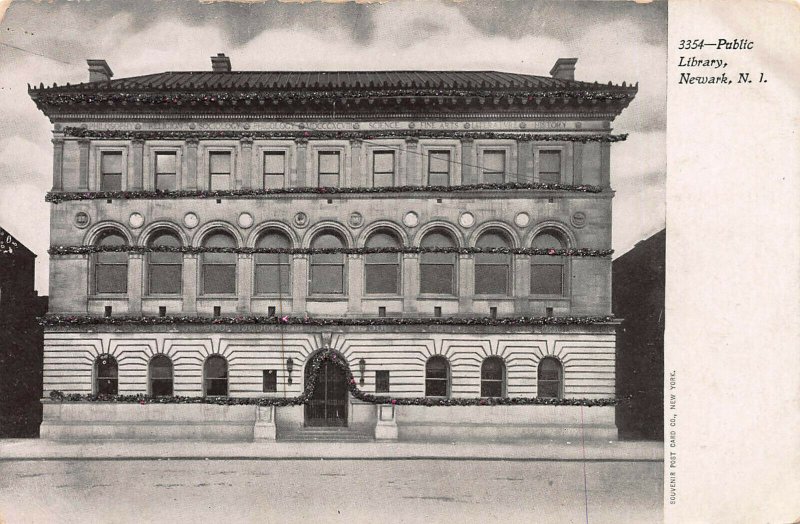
[[316, 364], [107, 134], [172, 98], [58, 196], [87, 320], [90, 249]]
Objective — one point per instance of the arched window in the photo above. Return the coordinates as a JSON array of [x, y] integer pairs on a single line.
[[219, 269], [164, 268], [437, 377], [327, 269], [550, 378], [382, 270], [106, 375], [273, 270], [160, 373], [111, 267], [215, 376], [493, 377], [437, 271], [548, 271], [492, 270]]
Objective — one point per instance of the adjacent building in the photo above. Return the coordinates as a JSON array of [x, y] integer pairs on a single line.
[[445, 234], [20, 340], [639, 292]]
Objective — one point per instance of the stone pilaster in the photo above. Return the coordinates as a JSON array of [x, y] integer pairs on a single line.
[[244, 271], [605, 164], [469, 174], [355, 283], [299, 284], [190, 283], [58, 164], [301, 179], [466, 283], [83, 165], [413, 174], [410, 268], [244, 177], [136, 180], [524, 163], [190, 180], [577, 163], [522, 283], [135, 283], [354, 176]]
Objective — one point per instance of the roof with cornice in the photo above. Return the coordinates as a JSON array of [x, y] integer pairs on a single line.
[[279, 90]]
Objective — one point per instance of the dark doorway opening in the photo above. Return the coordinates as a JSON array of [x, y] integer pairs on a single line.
[[328, 404]]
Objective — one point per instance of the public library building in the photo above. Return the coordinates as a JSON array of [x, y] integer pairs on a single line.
[[410, 255]]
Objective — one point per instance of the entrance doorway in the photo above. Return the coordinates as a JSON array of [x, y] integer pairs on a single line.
[[328, 405]]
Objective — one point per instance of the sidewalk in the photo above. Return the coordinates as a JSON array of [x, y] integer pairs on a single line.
[[36, 449]]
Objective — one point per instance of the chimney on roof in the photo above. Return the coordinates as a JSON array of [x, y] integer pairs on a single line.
[[220, 63], [564, 69], [99, 70]]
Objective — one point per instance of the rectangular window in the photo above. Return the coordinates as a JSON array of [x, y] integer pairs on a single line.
[[550, 167], [382, 278], [382, 381], [274, 170], [383, 169], [165, 273], [327, 279], [272, 279], [439, 168], [219, 171], [219, 278], [329, 168], [494, 167], [547, 279], [166, 172], [437, 279], [270, 381], [111, 171], [491, 279]]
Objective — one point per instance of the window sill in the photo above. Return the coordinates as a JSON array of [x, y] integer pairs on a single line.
[[558, 298], [163, 296], [109, 296], [433, 296], [328, 298], [226, 296], [493, 297]]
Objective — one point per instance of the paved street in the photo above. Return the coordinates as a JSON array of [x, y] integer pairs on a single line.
[[117, 491]]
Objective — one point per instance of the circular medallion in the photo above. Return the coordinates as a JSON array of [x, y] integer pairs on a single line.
[[579, 219], [81, 219], [466, 220], [356, 219], [192, 125], [523, 125], [136, 220], [190, 220], [466, 126], [58, 127], [522, 219], [245, 220], [246, 125], [411, 219], [301, 219], [137, 126]]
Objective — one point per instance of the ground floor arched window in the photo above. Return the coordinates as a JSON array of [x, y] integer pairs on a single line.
[[551, 377], [160, 373], [106, 375], [493, 377], [215, 376], [437, 377]]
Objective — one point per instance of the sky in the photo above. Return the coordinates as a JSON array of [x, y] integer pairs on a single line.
[[613, 41]]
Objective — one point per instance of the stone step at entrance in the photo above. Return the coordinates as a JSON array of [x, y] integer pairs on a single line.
[[323, 434]]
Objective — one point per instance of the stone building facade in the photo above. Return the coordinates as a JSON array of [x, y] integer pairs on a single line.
[[446, 234]]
